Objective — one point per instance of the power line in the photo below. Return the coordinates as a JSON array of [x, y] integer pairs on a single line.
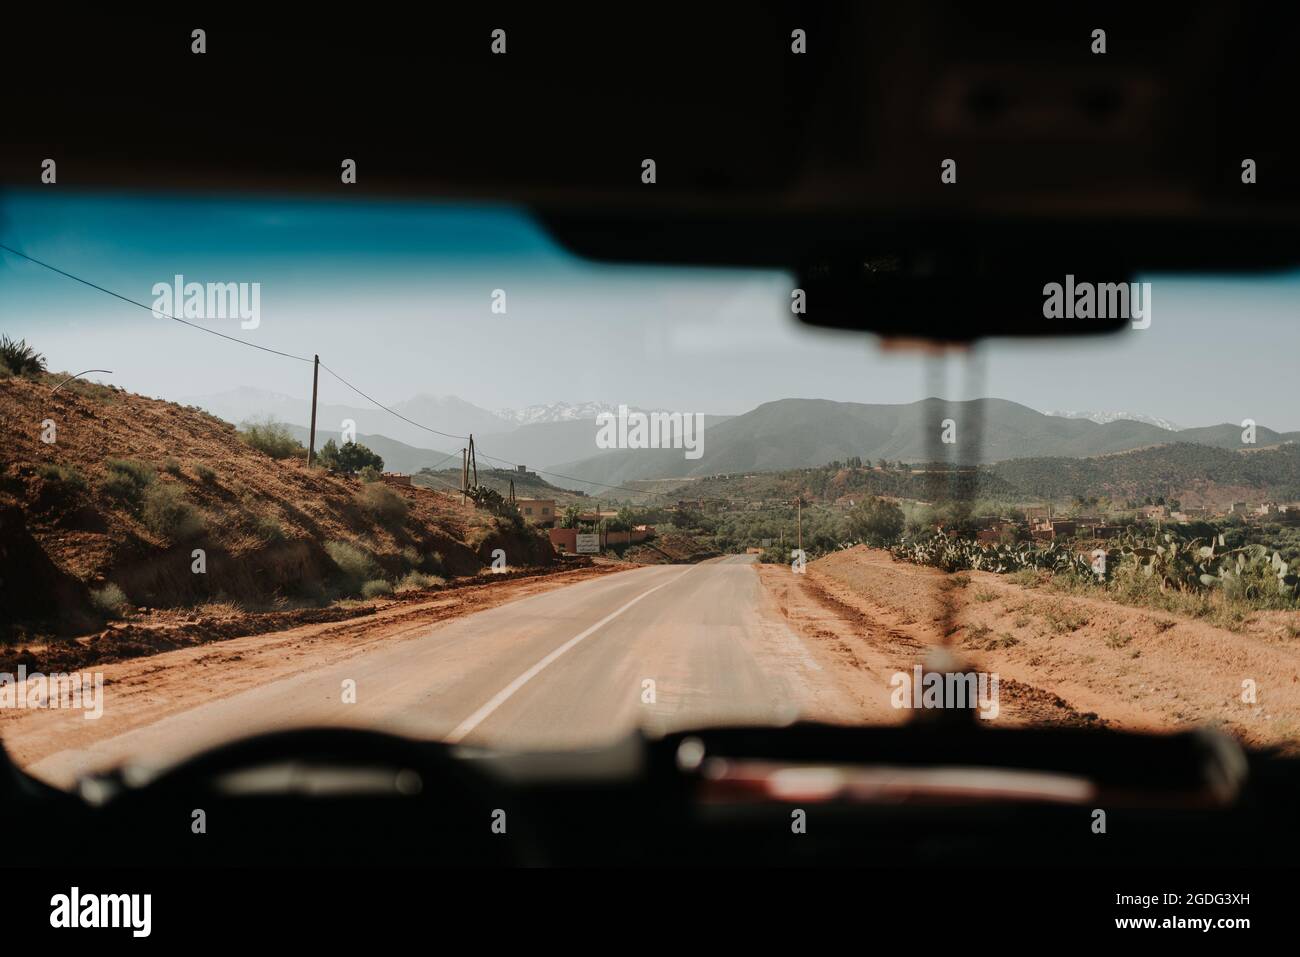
[[150, 309], [447, 435], [574, 478], [288, 355], [492, 458]]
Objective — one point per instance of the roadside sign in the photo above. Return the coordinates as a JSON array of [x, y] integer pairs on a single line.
[[588, 544]]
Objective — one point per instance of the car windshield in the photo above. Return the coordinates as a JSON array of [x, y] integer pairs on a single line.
[[276, 463]]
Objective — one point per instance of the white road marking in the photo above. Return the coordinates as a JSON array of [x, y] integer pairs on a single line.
[[504, 695]]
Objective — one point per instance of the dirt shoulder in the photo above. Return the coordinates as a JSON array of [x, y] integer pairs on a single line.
[[1061, 658], [146, 690], [154, 631]]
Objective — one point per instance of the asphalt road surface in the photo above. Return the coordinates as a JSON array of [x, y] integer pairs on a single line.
[[660, 647]]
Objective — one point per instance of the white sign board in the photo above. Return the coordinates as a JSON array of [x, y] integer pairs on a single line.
[[588, 544]]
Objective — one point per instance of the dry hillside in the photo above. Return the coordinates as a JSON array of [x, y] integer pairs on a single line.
[[131, 487]]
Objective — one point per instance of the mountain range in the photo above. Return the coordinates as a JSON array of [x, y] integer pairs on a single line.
[[1103, 418], [782, 434], [794, 433], [538, 436]]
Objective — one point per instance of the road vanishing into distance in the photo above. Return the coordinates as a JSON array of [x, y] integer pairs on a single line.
[[658, 648]]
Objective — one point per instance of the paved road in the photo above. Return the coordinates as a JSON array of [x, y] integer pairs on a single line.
[[566, 668]]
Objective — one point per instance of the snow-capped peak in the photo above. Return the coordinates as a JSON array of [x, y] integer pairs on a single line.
[[1103, 418], [556, 412]]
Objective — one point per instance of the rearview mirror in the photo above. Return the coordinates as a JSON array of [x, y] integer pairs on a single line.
[[917, 300]]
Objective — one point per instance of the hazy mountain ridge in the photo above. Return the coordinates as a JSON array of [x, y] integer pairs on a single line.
[[1105, 418], [782, 434], [794, 433]]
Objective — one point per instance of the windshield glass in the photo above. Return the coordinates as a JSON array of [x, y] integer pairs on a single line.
[[415, 467]]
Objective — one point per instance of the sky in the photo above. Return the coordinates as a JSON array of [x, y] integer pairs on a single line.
[[397, 297]]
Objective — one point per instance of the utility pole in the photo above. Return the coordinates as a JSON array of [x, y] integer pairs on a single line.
[[799, 512], [315, 378], [464, 473], [473, 462]]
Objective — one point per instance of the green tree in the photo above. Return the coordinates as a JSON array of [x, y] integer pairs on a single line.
[[351, 458], [328, 456], [687, 518], [876, 521]]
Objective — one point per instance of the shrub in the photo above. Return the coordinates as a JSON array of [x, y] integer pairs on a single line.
[[383, 505], [20, 358], [272, 438], [168, 514], [172, 467], [355, 564], [139, 472], [67, 481], [127, 479], [1062, 619], [376, 587], [415, 581], [109, 601], [206, 474], [269, 528], [369, 474], [1029, 577], [62, 486], [1115, 639]]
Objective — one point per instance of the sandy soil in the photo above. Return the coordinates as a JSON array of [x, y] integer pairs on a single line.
[[1061, 658]]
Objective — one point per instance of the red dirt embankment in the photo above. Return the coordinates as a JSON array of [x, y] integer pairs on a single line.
[[1061, 657], [265, 526]]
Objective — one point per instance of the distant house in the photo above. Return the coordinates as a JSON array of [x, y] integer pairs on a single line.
[[1049, 531], [537, 511], [994, 531], [396, 478]]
